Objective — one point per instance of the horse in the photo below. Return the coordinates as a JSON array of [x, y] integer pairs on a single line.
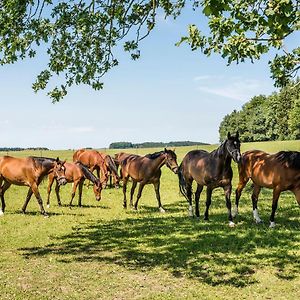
[[145, 170], [28, 171], [211, 170], [112, 169], [76, 173], [279, 172], [94, 161]]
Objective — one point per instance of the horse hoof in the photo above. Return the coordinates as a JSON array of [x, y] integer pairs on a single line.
[[161, 210], [272, 225], [258, 221], [46, 215], [48, 205], [231, 224], [1, 213]]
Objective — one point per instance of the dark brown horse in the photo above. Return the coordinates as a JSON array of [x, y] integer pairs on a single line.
[[145, 170], [30, 172], [211, 170], [76, 173], [279, 171], [94, 161]]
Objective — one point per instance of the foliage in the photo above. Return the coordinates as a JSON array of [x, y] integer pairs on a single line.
[[81, 37], [275, 117]]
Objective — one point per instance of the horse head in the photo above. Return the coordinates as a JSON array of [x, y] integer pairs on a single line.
[[59, 171], [97, 189], [171, 160], [233, 146]]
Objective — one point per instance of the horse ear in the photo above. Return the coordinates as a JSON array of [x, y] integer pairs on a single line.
[[57, 159], [228, 135], [165, 149]]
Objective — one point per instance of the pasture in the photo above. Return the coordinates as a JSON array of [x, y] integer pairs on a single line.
[[101, 251]]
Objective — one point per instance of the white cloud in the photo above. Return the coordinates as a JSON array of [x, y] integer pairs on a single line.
[[236, 88]]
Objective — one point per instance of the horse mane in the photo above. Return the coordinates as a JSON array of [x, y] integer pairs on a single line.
[[87, 173], [154, 155], [39, 160], [292, 158]]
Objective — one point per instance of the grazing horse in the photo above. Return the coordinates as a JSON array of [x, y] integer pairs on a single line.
[[145, 170], [279, 171], [30, 172], [112, 169], [94, 161], [211, 170], [76, 173]]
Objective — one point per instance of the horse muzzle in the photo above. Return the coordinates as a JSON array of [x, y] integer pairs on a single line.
[[175, 170], [62, 180]]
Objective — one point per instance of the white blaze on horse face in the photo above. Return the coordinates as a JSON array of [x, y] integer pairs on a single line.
[[191, 214], [256, 216]]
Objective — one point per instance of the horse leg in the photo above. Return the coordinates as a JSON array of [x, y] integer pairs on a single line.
[[57, 188], [276, 194], [141, 186], [51, 180], [156, 188], [297, 194], [3, 189], [227, 191], [125, 179], [134, 183], [197, 197], [80, 185], [36, 192], [28, 197], [188, 187], [208, 202], [242, 182], [74, 186], [254, 197]]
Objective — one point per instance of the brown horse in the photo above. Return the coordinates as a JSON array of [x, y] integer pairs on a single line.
[[76, 173], [145, 170], [94, 161], [211, 170], [279, 171], [30, 172], [112, 169]]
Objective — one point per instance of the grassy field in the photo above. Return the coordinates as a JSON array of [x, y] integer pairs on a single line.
[[101, 251]]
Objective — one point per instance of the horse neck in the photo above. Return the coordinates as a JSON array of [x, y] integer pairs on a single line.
[[158, 162], [223, 157]]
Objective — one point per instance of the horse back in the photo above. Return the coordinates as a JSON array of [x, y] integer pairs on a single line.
[[266, 170]]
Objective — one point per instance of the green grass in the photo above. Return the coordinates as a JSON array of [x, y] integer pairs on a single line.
[[101, 251]]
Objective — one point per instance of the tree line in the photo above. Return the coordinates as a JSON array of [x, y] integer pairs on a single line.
[[267, 118], [126, 145]]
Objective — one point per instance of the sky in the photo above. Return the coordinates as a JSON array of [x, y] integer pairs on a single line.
[[170, 94]]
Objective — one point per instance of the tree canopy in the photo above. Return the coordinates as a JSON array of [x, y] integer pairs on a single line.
[[80, 37], [275, 117]]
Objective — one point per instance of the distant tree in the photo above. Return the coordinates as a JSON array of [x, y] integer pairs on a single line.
[[81, 36], [275, 117]]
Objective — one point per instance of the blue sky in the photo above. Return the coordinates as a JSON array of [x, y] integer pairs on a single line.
[[169, 94]]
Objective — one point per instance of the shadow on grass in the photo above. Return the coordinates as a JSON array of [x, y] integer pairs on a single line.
[[210, 252]]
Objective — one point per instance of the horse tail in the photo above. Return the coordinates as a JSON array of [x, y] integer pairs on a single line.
[[182, 182]]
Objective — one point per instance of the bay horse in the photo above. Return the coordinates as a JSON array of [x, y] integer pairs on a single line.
[[28, 171], [76, 173], [145, 170], [211, 170], [279, 171]]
